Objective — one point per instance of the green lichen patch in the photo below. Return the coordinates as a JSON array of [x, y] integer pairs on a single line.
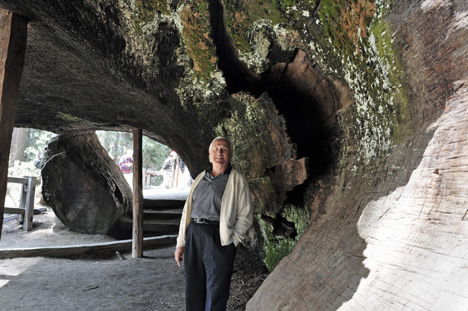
[[346, 21], [247, 128], [144, 12], [276, 247], [242, 15], [275, 251], [200, 47], [68, 117], [362, 40], [298, 216], [380, 41], [147, 9]]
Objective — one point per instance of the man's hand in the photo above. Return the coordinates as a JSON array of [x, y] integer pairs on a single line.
[[179, 254]]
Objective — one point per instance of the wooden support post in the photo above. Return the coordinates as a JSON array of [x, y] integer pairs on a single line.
[[13, 31], [23, 198], [29, 206], [137, 236]]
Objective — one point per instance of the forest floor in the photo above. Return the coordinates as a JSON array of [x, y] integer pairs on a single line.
[[103, 281]]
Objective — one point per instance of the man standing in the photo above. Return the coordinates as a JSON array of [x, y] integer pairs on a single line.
[[216, 218], [168, 169]]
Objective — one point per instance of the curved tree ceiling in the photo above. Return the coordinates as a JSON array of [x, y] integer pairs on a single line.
[[350, 111]]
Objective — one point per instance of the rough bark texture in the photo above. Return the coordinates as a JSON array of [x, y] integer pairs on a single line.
[[82, 184], [329, 105]]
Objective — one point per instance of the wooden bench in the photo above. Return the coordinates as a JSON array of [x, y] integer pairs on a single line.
[[26, 210]]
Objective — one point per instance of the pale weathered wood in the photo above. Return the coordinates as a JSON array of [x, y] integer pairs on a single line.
[[19, 180], [23, 197], [13, 31], [20, 211], [26, 210], [29, 204], [75, 250], [137, 234], [406, 252]]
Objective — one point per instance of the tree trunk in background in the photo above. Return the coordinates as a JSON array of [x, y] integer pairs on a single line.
[[82, 184], [18, 145]]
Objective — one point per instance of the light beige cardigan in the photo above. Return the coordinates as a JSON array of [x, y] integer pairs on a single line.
[[236, 215]]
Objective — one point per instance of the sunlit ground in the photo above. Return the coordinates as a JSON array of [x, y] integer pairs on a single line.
[[48, 230], [8, 270]]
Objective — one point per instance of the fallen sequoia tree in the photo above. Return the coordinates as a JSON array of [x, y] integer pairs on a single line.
[[347, 117]]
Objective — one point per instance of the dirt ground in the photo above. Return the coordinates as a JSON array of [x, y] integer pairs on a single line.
[[102, 281]]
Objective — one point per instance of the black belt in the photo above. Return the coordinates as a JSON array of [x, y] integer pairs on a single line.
[[205, 221]]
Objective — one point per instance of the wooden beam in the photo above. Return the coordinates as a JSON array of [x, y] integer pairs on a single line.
[[13, 32], [20, 180], [22, 211], [137, 233], [76, 250]]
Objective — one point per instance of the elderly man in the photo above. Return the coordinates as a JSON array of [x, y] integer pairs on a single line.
[[216, 218]]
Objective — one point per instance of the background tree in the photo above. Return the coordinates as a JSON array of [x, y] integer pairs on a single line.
[[36, 142], [18, 145], [154, 153], [115, 143], [27, 144]]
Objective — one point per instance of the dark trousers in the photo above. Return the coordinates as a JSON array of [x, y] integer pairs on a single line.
[[208, 268]]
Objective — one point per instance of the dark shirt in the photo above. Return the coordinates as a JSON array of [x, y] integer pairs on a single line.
[[208, 195], [168, 164]]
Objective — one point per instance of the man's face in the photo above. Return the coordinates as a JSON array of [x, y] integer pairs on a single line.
[[219, 152]]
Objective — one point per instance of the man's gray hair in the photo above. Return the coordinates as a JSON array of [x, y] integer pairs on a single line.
[[226, 140]]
